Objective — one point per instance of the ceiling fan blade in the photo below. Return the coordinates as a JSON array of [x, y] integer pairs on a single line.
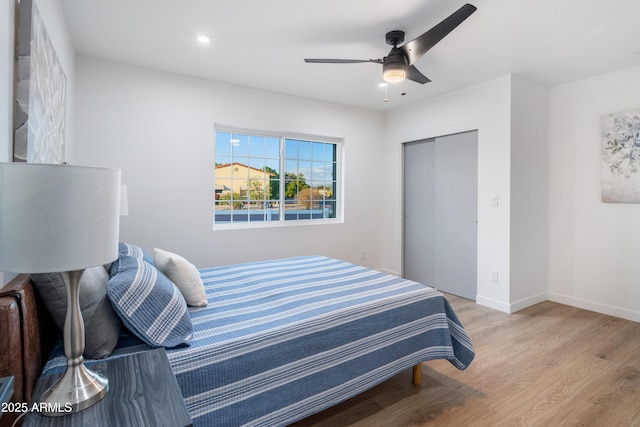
[[412, 73], [420, 45], [341, 61]]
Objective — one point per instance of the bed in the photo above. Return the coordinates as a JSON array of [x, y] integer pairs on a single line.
[[281, 340]]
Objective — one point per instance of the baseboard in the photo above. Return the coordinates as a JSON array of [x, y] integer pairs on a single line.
[[562, 299], [594, 306], [492, 303], [528, 302], [511, 307], [550, 296]]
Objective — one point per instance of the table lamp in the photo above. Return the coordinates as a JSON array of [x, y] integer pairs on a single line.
[[61, 219]]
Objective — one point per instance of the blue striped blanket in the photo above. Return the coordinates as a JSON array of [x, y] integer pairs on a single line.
[[281, 340]]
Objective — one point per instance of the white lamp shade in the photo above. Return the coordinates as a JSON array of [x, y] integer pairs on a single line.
[[56, 218]]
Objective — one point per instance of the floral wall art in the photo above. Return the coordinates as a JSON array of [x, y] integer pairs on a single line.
[[41, 93], [621, 157]]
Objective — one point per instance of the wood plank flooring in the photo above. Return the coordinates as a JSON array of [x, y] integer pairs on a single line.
[[548, 365]]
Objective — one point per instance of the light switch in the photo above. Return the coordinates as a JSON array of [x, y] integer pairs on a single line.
[[494, 200]]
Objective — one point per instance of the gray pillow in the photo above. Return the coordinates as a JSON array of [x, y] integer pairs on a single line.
[[101, 323]]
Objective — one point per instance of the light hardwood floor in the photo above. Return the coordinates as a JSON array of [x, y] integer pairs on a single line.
[[548, 365]]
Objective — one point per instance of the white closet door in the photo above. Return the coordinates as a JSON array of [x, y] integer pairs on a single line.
[[441, 227], [419, 193], [456, 214]]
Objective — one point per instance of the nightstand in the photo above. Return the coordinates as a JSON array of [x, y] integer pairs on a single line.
[[142, 392]]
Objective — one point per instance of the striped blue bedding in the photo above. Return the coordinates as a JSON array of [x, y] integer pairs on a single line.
[[283, 339]]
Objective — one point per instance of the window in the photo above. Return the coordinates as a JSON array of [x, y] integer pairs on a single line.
[[264, 179]]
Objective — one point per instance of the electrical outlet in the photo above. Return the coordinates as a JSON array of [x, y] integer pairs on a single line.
[[494, 276], [363, 254]]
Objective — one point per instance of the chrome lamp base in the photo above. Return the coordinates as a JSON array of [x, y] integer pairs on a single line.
[[79, 387]]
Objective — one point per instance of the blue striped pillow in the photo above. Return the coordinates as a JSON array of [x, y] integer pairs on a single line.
[[148, 303], [130, 250], [134, 251]]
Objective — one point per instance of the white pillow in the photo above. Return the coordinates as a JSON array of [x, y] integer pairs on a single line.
[[184, 274]]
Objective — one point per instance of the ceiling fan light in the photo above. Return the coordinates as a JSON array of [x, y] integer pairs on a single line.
[[394, 75], [393, 67]]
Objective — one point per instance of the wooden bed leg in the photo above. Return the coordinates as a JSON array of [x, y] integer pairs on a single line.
[[417, 374]]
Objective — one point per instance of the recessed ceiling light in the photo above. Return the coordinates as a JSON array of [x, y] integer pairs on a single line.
[[382, 84], [203, 40]]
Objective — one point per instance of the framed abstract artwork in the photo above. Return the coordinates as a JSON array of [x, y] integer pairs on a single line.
[[41, 93], [621, 157]]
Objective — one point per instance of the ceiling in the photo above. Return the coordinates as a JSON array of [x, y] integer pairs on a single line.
[[261, 44]]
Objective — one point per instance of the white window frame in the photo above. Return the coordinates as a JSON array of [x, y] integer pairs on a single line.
[[282, 222]]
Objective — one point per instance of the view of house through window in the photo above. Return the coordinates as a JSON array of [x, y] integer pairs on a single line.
[[262, 178]]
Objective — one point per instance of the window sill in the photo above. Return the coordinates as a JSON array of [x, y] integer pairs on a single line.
[[275, 224]]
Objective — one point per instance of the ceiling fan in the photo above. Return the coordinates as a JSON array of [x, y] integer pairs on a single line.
[[398, 64]]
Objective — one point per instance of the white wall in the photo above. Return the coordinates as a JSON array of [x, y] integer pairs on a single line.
[[486, 107], [529, 193], [594, 247], [159, 129], [164, 125]]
